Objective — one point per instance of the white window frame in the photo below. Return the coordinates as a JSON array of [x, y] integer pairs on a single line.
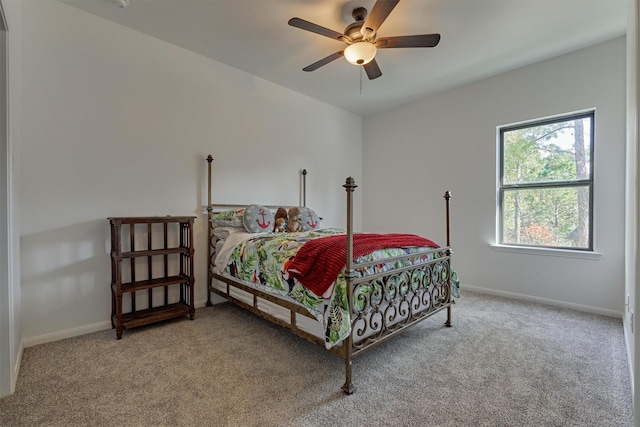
[[587, 252]]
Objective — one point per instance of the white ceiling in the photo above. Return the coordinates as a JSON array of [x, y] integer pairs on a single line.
[[480, 38]]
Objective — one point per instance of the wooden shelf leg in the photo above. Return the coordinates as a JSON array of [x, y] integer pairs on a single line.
[[119, 317]]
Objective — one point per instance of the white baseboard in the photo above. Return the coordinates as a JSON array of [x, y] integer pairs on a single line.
[[67, 333], [202, 303], [100, 326], [16, 369], [74, 332], [556, 303], [628, 340]]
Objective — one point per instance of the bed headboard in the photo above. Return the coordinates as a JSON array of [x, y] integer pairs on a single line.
[[212, 207]]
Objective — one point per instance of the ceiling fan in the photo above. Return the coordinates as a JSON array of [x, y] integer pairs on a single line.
[[361, 38]]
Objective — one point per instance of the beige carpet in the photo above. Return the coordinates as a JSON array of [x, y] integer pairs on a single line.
[[504, 363]]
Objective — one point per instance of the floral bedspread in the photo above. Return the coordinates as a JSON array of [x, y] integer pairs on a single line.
[[262, 259]]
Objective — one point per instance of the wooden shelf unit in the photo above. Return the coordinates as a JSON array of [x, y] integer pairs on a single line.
[[173, 257]]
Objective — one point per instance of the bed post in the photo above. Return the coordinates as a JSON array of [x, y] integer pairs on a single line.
[[350, 186], [304, 187], [447, 197], [209, 236]]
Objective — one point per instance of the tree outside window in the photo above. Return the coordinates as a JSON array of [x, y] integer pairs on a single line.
[[545, 194]]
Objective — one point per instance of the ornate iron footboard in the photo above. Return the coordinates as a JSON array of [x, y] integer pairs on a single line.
[[385, 303], [381, 305]]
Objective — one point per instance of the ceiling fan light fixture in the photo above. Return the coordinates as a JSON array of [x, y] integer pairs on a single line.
[[360, 53]]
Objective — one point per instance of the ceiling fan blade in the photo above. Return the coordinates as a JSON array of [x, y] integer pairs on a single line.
[[315, 28], [323, 61], [372, 69], [418, 40], [381, 9]]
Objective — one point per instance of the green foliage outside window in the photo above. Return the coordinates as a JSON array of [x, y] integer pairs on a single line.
[[546, 183]]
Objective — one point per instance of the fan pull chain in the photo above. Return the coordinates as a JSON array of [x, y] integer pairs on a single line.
[[361, 80]]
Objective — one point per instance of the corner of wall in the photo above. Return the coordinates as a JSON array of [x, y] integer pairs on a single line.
[[628, 340], [16, 368], [632, 256]]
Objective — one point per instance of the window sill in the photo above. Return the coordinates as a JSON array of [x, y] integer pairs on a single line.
[[567, 253]]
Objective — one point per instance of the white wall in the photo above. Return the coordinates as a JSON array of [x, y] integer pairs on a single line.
[[633, 161], [10, 326], [448, 142], [5, 317], [117, 123]]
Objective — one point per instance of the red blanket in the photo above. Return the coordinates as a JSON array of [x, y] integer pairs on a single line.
[[318, 263]]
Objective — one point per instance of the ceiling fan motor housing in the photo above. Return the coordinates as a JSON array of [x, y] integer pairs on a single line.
[[353, 31], [359, 14]]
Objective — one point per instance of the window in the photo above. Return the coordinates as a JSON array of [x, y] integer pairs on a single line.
[[545, 192]]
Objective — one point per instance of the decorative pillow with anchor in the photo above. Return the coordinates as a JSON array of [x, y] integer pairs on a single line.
[[258, 219]]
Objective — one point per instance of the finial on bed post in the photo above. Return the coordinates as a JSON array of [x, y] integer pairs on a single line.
[[350, 184], [304, 187]]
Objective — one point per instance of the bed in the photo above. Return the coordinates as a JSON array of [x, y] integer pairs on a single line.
[[340, 289]]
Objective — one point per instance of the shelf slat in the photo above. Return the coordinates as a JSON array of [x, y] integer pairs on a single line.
[[152, 252], [153, 283], [151, 219], [156, 314]]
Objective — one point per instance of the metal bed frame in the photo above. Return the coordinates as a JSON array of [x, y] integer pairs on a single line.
[[400, 298]]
